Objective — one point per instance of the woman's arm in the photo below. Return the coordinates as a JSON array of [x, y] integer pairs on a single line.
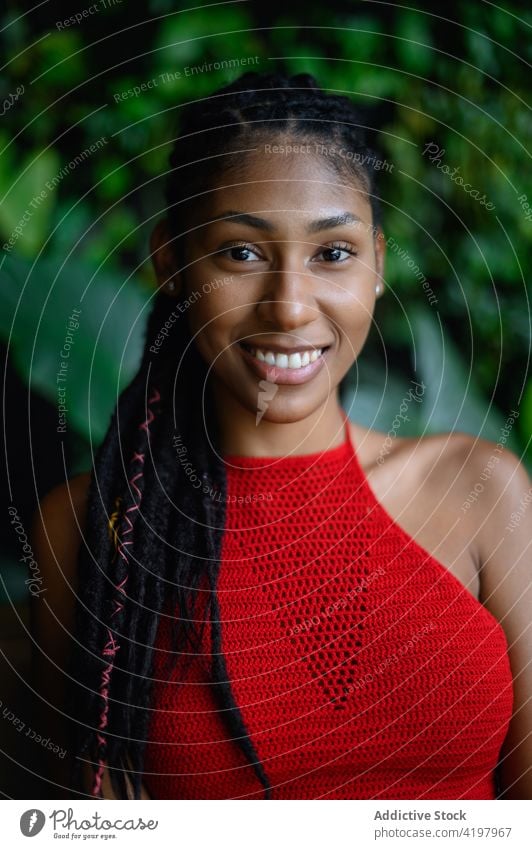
[[56, 536], [57, 533], [505, 547]]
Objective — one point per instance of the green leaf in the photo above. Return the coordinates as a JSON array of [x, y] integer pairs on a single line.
[[452, 400], [525, 422], [373, 398], [102, 353], [28, 202], [413, 45]]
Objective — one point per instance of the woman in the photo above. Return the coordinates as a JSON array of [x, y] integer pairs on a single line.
[[272, 602]]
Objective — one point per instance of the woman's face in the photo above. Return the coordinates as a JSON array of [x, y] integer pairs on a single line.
[[288, 265]]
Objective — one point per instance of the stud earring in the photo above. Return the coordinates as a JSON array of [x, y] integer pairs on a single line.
[[377, 288], [171, 286]]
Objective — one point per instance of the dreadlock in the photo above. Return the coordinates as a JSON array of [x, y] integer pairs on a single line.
[[152, 542]]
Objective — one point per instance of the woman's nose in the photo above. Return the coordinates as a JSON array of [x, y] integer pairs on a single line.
[[288, 301]]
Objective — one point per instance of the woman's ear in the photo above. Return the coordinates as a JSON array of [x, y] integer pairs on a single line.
[[380, 251], [162, 254]]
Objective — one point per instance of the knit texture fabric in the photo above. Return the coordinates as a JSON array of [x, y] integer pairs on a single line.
[[362, 667]]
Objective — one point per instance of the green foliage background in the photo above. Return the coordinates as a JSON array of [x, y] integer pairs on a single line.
[[456, 75]]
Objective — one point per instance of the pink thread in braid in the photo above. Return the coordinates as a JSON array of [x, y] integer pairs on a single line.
[[111, 647]]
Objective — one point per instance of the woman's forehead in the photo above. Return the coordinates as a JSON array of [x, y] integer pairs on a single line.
[[295, 187]]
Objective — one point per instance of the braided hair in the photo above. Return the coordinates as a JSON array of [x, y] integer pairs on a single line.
[[152, 541]]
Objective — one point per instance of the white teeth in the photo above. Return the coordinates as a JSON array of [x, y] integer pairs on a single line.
[[298, 360]]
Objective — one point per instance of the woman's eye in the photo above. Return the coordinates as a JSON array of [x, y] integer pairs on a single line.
[[243, 252], [334, 253], [239, 253]]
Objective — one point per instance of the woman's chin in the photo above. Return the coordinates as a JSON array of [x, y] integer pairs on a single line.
[[281, 409]]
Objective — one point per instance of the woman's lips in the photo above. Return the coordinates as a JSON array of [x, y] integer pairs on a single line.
[[275, 374]]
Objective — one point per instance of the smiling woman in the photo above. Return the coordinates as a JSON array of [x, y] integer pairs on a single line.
[[320, 292], [343, 637]]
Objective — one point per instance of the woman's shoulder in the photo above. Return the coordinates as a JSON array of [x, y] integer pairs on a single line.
[[454, 475], [58, 526], [487, 470], [67, 499], [72, 491], [440, 456]]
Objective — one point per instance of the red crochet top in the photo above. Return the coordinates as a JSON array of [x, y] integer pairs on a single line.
[[362, 667]]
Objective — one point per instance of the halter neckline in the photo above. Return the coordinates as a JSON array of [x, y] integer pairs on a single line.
[[296, 460]]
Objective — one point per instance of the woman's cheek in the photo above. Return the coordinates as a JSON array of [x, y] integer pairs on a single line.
[[207, 330], [354, 308]]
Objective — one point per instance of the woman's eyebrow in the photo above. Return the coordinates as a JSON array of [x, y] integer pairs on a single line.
[[243, 218], [333, 221], [262, 224]]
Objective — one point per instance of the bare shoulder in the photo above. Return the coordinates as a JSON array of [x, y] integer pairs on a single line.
[[69, 496], [450, 484], [60, 516], [58, 528], [480, 473], [472, 459], [57, 531], [442, 462]]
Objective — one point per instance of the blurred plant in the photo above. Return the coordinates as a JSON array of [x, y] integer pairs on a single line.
[[36, 304]]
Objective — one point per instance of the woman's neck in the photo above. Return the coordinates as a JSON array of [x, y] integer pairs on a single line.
[[240, 433]]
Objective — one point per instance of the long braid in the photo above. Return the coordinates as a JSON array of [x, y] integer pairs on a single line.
[[123, 539], [96, 613], [163, 549]]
